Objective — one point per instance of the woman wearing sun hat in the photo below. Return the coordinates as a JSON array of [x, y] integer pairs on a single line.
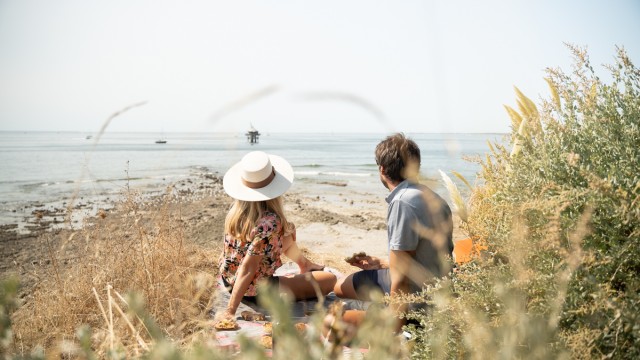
[[257, 233]]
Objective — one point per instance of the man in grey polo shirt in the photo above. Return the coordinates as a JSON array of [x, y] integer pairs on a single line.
[[419, 229]]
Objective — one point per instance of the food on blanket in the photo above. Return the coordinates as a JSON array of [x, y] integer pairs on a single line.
[[301, 327], [353, 258], [266, 341], [246, 315], [268, 328], [226, 324], [252, 316]]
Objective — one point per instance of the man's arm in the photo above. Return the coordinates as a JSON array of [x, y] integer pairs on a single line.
[[399, 265]]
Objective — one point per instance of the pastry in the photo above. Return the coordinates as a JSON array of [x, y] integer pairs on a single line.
[[226, 324], [268, 328], [301, 327], [266, 341], [252, 316], [246, 315]]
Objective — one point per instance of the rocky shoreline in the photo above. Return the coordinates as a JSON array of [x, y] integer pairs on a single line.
[[27, 246]]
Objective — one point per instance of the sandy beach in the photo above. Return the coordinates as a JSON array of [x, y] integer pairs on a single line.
[[333, 221]]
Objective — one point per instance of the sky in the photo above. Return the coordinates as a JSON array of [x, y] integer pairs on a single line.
[[292, 66]]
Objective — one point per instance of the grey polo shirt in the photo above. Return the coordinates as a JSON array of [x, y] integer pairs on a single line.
[[419, 220]]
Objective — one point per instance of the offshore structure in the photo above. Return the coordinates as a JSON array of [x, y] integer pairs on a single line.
[[253, 135]]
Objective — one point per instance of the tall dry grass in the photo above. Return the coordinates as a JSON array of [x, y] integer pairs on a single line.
[[142, 251]]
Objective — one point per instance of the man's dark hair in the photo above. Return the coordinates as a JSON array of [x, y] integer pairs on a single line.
[[397, 155]]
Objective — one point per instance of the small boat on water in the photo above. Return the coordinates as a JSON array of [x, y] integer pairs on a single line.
[[161, 140]]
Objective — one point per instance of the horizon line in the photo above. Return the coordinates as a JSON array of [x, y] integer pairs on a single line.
[[262, 133]]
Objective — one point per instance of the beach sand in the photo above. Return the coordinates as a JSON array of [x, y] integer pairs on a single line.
[[333, 221]]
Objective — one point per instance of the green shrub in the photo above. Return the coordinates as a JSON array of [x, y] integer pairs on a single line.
[[8, 303], [559, 212]]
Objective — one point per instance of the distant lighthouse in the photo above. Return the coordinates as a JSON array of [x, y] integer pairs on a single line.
[[253, 135]]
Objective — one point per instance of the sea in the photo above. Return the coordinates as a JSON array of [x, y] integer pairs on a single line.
[[40, 168]]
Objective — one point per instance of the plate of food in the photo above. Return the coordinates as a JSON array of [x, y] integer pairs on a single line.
[[226, 324]]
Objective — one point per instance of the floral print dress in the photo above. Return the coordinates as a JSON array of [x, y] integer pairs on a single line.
[[266, 240]]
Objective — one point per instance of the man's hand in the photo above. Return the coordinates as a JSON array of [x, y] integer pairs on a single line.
[[368, 262]]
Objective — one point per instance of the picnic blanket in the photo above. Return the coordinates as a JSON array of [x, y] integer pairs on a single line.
[[301, 310], [464, 250]]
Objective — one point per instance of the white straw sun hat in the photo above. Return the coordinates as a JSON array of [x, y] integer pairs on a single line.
[[258, 177]]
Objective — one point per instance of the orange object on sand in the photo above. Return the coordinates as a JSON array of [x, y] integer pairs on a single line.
[[465, 249]]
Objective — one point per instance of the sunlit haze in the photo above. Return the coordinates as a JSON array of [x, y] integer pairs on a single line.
[[292, 66]]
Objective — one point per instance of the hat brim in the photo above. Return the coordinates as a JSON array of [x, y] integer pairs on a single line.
[[233, 186]]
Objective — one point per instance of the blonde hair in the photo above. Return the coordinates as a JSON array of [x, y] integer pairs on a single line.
[[244, 215]]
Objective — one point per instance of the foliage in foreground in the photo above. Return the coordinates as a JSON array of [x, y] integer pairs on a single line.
[[559, 212]]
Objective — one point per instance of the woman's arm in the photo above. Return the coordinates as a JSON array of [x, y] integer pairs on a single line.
[[246, 273], [291, 250]]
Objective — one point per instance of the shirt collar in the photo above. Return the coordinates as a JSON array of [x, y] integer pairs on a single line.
[[402, 185]]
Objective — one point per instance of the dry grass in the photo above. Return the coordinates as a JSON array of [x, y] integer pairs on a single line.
[[146, 253]]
